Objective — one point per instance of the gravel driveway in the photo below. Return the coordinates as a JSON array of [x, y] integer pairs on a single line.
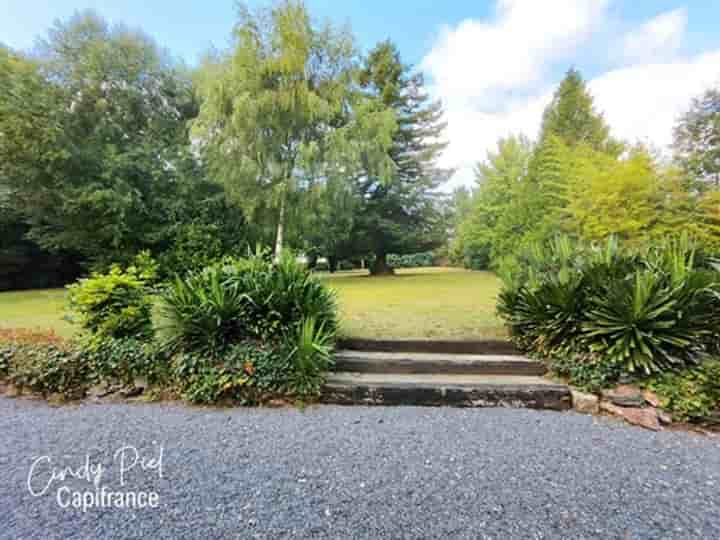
[[334, 472]]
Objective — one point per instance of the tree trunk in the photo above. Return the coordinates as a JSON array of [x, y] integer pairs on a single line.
[[332, 264], [380, 267], [280, 229], [312, 261]]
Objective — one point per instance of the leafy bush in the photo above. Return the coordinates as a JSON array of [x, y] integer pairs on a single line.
[[251, 372], [203, 312], [239, 300], [310, 349], [124, 360], [195, 246], [115, 304], [247, 328], [634, 313], [692, 394], [413, 260], [45, 368]]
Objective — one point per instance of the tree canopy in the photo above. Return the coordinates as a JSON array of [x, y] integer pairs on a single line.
[[281, 111]]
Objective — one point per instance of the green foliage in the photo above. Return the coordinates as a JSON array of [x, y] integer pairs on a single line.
[[281, 111], [400, 212], [586, 371], [634, 313], [412, 260], [692, 394], [122, 361], [45, 368], [251, 372], [117, 303], [310, 346], [571, 116], [242, 299], [203, 312], [97, 144], [697, 139]]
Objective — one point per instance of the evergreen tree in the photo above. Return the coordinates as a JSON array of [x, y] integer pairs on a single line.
[[402, 214], [571, 116], [697, 139]]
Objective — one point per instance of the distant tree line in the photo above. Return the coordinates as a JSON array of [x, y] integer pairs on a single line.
[[577, 180]]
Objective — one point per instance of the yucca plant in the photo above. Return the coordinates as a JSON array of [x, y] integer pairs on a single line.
[[203, 312], [647, 323], [543, 315], [310, 348]]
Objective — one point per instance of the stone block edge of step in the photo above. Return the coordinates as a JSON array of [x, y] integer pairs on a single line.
[[535, 396], [416, 363], [450, 346]]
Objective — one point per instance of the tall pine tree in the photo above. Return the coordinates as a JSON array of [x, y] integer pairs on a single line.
[[572, 117], [401, 214]]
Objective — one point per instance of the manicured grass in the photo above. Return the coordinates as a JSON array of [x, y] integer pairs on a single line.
[[419, 303], [38, 309]]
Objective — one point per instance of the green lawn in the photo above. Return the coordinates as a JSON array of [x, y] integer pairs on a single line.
[[423, 302], [426, 302], [42, 308]]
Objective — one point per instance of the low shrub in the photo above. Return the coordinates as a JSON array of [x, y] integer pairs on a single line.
[[45, 368], [243, 299], [203, 313], [29, 336], [692, 394], [248, 328], [245, 373], [412, 260], [252, 372], [115, 304], [122, 361], [309, 351], [632, 313]]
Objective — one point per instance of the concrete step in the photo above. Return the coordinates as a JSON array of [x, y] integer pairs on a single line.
[[445, 346], [445, 389], [413, 362]]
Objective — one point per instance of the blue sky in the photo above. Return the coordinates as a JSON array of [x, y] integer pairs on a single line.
[[494, 62]]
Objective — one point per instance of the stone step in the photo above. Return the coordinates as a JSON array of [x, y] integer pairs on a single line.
[[445, 389], [445, 346], [414, 362]]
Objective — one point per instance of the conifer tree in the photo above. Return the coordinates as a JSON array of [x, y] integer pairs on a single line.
[[401, 214], [572, 117]]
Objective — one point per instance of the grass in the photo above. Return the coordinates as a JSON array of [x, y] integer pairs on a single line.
[[419, 303], [37, 309]]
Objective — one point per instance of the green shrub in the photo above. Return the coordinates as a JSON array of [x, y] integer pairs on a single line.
[[240, 300], [115, 304], [692, 394], [203, 312], [412, 260], [5, 359], [634, 313], [46, 368], [309, 350], [247, 373], [123, 360], [194, 247]]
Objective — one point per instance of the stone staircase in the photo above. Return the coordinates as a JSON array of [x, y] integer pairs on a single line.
[[464, 374]]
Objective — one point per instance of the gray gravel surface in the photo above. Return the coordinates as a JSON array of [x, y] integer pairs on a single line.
[[334, 472]]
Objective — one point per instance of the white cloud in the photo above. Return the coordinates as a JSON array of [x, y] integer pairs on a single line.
[[479, 58], [643, 102], [656, 39], [493, 75]]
